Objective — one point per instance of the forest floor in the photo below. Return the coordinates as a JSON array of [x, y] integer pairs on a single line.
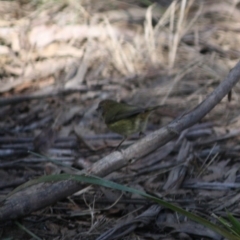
[[59, 59]]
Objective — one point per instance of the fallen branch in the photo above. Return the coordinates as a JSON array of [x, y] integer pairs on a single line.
[[47, 94]]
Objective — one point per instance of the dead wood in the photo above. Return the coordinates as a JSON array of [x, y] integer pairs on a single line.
[[144, 219], [46, 94]]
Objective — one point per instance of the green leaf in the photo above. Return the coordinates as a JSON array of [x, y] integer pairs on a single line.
[[235, 223]]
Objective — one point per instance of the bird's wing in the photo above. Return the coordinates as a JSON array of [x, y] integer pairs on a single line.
[[127, 114], [122, 114]]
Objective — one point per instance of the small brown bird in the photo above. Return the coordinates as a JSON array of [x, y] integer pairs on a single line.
[[123, 118]]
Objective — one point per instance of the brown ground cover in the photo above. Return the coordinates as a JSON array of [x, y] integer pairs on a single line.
[[59, 59]]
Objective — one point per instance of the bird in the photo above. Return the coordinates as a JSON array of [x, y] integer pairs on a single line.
[[123, 118]]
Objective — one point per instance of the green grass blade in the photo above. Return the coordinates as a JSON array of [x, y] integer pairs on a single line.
[[235, 223], [105, 183]]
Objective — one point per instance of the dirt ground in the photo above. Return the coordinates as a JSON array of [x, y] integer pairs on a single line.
[[59, 59]]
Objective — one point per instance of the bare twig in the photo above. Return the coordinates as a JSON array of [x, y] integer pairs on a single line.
[[52, 93]]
